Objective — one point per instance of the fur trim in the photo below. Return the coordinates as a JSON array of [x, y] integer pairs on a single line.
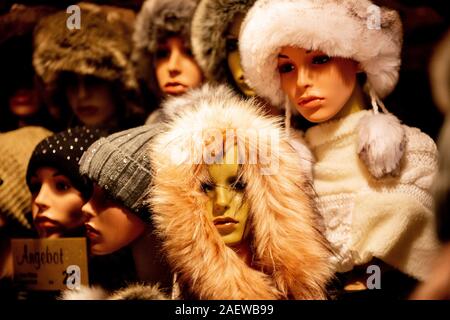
[[132, 292], [84, 293], [291, 255], [440, 74], [139, 292], [100, 48], [338, 28], [381, 144], [157, 20], [210, 23]]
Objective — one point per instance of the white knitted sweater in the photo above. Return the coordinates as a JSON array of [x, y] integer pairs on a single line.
[[390, 218]]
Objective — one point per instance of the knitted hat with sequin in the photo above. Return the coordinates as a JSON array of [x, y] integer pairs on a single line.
[[16, 148], [63, 151], [119, 164]]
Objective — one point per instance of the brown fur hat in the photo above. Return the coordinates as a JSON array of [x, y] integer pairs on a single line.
[[289, 252], [101, 48]]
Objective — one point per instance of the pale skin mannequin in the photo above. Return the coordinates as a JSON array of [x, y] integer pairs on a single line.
[[227, 208], [320, 87], [56, 204], [91, 100], [176, 69], [110, 226]]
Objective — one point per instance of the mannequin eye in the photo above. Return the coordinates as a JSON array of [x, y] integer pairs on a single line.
[[62, 186], [286, 68], [162, 53], [239, 185], [322, 59], [207, 187], [34, 187], [231, 45]]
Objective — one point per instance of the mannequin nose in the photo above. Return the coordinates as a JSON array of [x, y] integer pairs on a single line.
[[88, 210], [42, 200], [303, 79], [82, 89], [174, 63], [222, 203]]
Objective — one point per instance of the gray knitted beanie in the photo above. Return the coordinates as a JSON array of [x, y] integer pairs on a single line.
[[119, 164]]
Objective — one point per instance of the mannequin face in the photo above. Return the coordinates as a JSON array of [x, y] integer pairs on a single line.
[[24, 102], [176, 69], [56, 204], [318, 85], [233, 56], [91, 100], [227, 208], [110, 226]]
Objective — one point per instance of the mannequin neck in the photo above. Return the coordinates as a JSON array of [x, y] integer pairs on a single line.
[[354, 104]]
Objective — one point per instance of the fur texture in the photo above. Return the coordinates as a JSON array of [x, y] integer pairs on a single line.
[[381, 144], [210, 23], [101, 48], [338, 28], [158, 20], [290, 254], [132, 292]]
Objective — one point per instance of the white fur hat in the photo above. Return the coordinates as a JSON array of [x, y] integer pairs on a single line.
[[355, 29]]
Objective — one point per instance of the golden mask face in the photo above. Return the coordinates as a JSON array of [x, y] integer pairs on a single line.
[[234, 58], [227, 207]]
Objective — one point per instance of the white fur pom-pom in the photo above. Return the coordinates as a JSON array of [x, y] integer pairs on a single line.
[[84, 293], [381, 144]]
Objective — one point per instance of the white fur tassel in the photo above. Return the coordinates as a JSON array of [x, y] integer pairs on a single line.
[[381, 143]]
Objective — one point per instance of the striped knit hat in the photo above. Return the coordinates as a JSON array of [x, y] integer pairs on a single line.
[[119, 164], [16, 148]]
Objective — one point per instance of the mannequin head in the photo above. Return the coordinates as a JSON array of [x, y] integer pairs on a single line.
[[227, 207], [110, 226], [91, 99], [233, 56], [56, 204], [318, 85], [176, 69]]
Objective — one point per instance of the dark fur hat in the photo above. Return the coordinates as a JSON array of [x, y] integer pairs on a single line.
[[157, 20], [209, 26], [101, 48]]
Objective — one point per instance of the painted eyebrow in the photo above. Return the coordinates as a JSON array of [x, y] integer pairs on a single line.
[[282, 56], [308, 51]]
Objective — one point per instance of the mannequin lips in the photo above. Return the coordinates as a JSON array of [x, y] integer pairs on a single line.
[[47, 226], [91, 232], [310, 102], [86, 111], [225, 225], [174, 88]]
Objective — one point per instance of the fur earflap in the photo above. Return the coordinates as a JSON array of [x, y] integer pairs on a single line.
[[210, 23], [156, 21], [290, 255], [381, 143], [101, 48], [354, 29]]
